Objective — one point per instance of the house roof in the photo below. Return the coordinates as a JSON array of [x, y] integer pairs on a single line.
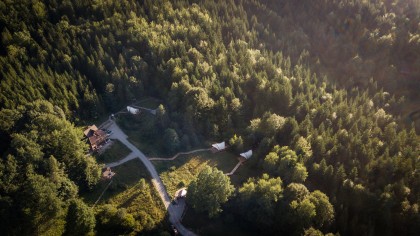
[[90, 130], [247, 154], [219, 146], [97, 136]]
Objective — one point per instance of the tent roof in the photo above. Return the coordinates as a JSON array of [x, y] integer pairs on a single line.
[[219, 146], [133, 110], [183, 193], [247, 154]]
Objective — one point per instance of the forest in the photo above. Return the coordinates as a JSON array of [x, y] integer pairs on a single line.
[[321, 91]]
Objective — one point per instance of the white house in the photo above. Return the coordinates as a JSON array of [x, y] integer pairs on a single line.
[[218, 146], [247, 154], [133, 110]]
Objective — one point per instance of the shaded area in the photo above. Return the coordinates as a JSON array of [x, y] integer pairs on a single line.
[[116, 152], [225, 224]]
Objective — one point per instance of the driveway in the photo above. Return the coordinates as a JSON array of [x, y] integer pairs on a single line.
[[174, 216]]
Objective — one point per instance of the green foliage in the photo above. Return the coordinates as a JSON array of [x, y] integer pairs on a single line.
[[211, 189], [171, 140], [237, 143], [115, 221], [302, 213], [80, 219], [313, 232], [220, 68], [296, 191], [45, 166], [324, 209], [42, 209], [285, 162], [258, 199]]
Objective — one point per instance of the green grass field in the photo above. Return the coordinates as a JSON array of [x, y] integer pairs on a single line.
[[142, 133], [127, 175], [181, 171], [131, 188], [116, 152]]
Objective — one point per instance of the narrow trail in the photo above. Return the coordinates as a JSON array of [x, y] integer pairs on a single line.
[[117, 133], [178, 154], [129, 157], [234, 169], [152, 111], [110, 182]]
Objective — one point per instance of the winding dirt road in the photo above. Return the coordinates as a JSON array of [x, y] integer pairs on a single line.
[[174, 218]]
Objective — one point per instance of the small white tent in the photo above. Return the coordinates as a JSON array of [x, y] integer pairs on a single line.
[[247, 154], [219, 146], [133, 110], [183, 193]]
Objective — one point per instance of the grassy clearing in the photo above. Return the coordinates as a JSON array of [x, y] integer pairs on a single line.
[[149, 147], [182, 176], [127, 175], [142, 132], [116, 152], [131, 188], [142, 201], [243, 173], [181, 171]]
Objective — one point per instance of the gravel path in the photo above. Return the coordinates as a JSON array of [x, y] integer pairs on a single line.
[[117, 133], [234, 169], [179, 153]]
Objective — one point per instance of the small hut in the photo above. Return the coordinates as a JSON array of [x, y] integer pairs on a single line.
[[108, 174], [182, 193], [217, 147], [133, 110], [246, 155]]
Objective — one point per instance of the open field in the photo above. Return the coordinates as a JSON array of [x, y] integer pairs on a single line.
[[131, 189], [127, 175]]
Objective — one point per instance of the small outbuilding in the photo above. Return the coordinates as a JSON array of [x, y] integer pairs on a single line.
[[246, 155], [217, 147], [133, 110], [95, 137], [108, 174]]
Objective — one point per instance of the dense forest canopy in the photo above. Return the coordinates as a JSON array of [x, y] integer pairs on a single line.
[[313, 87]]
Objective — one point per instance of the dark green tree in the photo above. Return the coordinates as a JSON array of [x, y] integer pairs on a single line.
[[209, 191]]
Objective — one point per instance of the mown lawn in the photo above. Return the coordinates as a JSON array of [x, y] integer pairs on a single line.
[[181, 171], [116, 152]]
